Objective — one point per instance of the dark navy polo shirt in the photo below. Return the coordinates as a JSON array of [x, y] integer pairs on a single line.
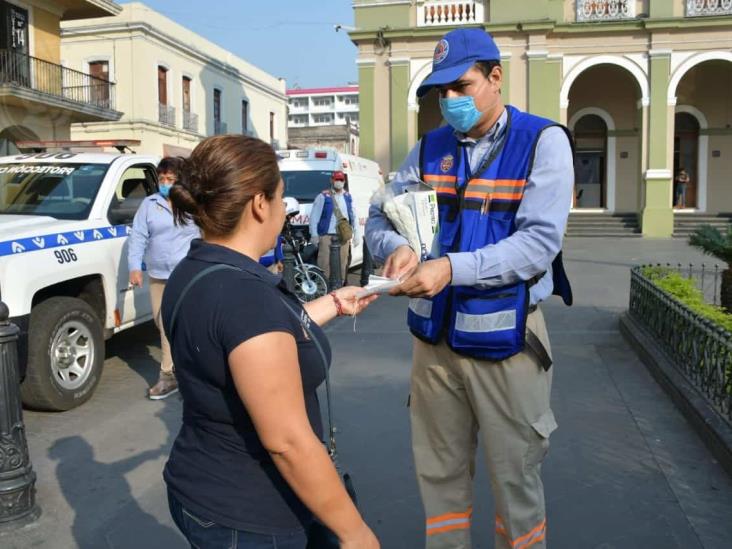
[[218, 468]]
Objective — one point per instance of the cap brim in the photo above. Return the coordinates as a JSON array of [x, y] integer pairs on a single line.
[[440, 77]]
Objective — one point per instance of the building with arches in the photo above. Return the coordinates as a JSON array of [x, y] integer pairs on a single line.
[[645, 86]]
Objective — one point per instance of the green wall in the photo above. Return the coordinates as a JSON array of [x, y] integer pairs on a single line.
[[367, 111], [507, 11], [399, 115], [372, 18], [545, 80]]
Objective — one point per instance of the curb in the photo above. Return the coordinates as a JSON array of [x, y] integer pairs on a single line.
[[706, 421]]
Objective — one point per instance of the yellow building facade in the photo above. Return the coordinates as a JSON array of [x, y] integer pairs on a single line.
[[40, 97], [644, 85]]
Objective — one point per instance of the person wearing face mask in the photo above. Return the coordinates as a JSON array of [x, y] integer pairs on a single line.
[[328, 208], [161, 244], [481, 356]]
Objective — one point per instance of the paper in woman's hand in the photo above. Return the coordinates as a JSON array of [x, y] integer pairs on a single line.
[[378, 285]]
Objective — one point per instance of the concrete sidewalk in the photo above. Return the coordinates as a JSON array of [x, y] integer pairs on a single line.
[[625, 470]]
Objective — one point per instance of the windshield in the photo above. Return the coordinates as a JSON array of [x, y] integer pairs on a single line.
[[306, 185], [64, 191]]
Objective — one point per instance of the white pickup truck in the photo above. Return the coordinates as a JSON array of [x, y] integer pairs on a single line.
[[64, 222]]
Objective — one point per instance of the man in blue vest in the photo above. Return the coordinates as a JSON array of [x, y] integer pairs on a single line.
[[328, 207], [481, 360]]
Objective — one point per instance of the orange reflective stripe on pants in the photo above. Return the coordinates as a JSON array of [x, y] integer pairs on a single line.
[[537, 534], [448, 522]]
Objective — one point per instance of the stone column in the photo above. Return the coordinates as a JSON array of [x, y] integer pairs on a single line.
[[367, 110], [398, 98], [657, 219]]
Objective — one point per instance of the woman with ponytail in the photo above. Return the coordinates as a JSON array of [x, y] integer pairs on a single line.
[[248, 467]]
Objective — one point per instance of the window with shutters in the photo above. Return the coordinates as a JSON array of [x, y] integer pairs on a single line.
[[186, 94]]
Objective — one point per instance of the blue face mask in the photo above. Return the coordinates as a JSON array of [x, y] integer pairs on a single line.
[[164, 190], [460, 112]]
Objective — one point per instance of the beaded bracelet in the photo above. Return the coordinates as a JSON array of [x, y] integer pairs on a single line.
[[338, 304]]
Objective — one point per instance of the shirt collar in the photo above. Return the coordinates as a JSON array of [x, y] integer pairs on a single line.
[[213, 253], [492, 134], [159, 200]]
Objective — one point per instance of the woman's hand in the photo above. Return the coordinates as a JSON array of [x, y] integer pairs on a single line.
[[363, 539], [350, 303]]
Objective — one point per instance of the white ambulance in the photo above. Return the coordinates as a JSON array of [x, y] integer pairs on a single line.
[[64, 222], [309, 172]]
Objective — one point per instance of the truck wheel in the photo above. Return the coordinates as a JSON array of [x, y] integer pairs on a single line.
[[65, 355]]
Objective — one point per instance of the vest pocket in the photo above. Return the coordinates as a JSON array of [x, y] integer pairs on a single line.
[[488, 324], [426, 316], [488, 228]]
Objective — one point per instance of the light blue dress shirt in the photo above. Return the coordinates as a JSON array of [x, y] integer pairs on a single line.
[[317, 211], [157, 239], [541, 218]]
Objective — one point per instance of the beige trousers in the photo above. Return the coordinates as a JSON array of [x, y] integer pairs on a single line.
[[455, 400], [324, 256], [156, 297]]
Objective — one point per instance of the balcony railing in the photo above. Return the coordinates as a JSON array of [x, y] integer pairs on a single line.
[[190, 121], [166, 114], [219, 127], [433, 13], [605, 10], [25, 71], [700, 8]]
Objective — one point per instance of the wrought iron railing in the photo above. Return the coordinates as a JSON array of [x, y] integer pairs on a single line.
[[700, 8], [190, 121], [605, 10], [699, 348], [432, 13], [25, 71], [219, 127], [166, 114]]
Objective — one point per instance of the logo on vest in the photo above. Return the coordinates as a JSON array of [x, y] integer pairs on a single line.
[[447, 163], [441, 51]]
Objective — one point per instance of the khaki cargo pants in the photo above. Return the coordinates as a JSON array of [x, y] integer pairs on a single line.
[[157, 287], [454, 400], [324, 256]]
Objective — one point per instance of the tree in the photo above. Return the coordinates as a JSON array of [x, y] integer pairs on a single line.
[[712, 242]]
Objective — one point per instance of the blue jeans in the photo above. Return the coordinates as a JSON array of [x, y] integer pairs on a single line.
[[205, 534]]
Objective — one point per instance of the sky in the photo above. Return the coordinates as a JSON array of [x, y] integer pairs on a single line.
[[292, 39]]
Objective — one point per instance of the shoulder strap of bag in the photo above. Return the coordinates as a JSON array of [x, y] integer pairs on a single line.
[[337, 209], [220, 267], [191, 282], [331, 428]]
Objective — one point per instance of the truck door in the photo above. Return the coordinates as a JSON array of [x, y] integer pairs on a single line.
[[137, 183]]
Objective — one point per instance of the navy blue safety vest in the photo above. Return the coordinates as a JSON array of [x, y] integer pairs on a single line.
[[328, 211], [476, 211]]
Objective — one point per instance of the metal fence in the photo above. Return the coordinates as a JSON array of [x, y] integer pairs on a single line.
[[699, 348], [166, 114], [42, 76], [190, 121]]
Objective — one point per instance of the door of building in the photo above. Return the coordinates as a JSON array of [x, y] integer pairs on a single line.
[[686, 155], [590, 133]]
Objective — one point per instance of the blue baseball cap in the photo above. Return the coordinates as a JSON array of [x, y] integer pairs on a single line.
[[456, 53]]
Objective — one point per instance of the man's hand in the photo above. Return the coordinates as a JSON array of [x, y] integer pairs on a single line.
[[401, 263], [136, 278], [428, 280]]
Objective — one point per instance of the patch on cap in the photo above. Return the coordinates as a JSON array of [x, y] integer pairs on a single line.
[[441, 51]]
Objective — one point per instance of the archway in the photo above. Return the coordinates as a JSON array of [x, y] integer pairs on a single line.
[[11, 135], [686, 157], [701, 88], [590, 165], [603, 113]]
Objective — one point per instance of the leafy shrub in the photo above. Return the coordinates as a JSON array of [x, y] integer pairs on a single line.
[[687, 293]]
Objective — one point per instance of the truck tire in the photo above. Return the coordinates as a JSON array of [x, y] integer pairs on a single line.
[[65, 355]]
